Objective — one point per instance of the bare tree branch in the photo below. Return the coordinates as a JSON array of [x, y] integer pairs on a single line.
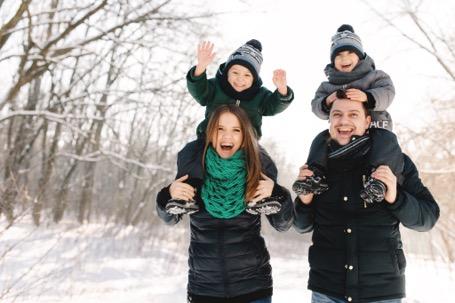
[[412, 14], [4, 35]]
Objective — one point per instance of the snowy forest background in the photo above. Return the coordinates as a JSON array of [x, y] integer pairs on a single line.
[[94, 107]]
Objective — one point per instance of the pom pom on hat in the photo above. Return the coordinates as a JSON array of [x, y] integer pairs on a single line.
[[345, 27], [256, 44]]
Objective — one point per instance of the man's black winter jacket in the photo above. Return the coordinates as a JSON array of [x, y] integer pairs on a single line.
[[357, 253]]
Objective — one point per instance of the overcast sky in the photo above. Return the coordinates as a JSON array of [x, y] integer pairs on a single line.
[[296, 37]]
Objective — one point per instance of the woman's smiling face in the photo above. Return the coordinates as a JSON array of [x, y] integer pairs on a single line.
[[229, 136]]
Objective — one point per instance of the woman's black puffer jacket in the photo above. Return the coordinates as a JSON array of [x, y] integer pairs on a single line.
[[228, 259]]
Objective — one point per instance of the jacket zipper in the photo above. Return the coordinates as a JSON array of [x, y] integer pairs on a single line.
[[237, 102]]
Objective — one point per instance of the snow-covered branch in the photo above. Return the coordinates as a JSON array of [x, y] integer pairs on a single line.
[[115, 159], [48, 115]]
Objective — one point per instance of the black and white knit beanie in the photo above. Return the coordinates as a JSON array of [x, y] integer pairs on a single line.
[[345, 39], [248, 55]]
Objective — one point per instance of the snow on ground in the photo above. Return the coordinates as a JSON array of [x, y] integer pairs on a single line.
[[108, 263]]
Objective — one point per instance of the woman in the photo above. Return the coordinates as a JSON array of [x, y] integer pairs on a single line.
[[228, 260]]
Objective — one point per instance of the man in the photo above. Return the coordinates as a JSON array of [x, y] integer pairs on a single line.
[[357, 253]]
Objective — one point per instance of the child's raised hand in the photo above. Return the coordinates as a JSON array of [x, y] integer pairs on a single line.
[[279, 79], [356, 95], [205, 56]]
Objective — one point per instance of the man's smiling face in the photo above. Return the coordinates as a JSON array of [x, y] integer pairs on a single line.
[[347, 118]]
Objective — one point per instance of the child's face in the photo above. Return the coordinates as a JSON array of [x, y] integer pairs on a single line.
[[240, 77], [346, 61]]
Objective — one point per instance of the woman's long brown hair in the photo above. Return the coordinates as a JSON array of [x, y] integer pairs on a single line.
[[249, 144]]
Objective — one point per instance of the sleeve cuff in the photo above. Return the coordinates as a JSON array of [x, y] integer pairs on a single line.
[[324, 106], [398, 202], [191, 77], [371, 102], [300, 206], [277, 193], [164, 196], [289, 97]]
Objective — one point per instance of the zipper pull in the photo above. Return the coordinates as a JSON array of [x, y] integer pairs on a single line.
[[237, 102]]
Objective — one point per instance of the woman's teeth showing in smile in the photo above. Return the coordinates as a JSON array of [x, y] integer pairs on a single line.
[[226, 146]]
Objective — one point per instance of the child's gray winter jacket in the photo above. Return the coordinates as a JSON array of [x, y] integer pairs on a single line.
[[375, 83]]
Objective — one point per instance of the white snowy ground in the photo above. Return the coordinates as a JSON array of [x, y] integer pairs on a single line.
[[106, 263]]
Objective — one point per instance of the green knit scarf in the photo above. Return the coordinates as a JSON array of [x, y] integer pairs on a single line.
[[223, 191]]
